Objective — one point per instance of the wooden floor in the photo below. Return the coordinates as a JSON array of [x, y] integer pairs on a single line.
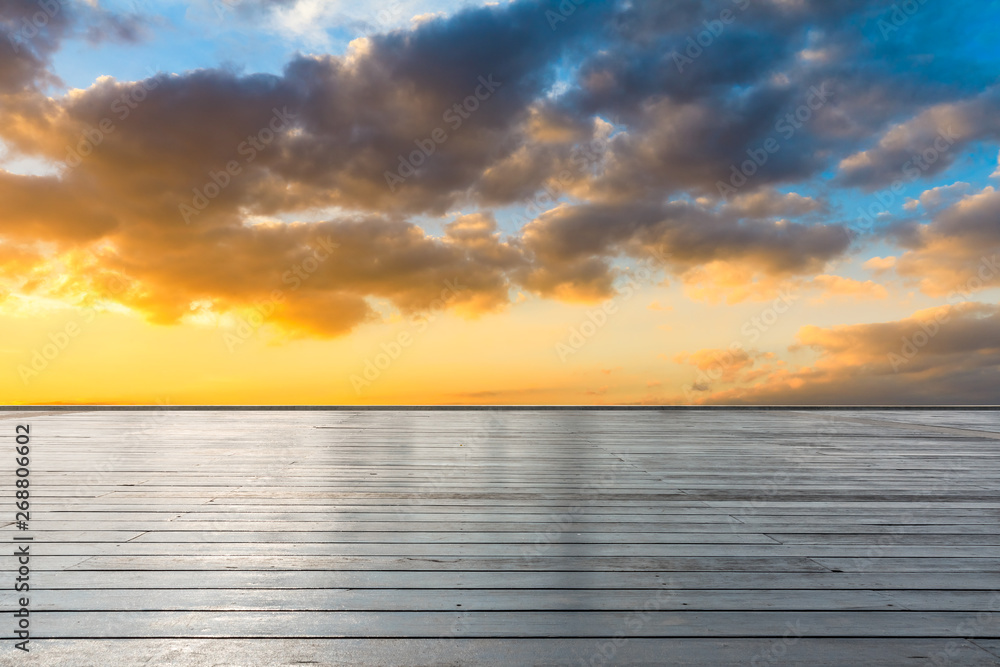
[[517, 537]]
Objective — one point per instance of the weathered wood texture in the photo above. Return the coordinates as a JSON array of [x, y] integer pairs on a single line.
[[509, 537]]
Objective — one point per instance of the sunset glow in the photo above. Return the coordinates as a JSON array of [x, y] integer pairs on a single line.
[[527, 202]]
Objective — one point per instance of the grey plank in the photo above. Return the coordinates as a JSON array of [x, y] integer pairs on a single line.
[[879, 524], [395, 537], [627, 650], [565, 545], [579, 579], [484, 600], [498, 563], [76, 625]]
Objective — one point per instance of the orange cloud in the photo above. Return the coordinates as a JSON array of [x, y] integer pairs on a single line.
[[942, 355], [958, 253], [839, 287]]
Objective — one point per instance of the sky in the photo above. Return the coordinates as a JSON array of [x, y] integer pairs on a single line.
[[526, 202]]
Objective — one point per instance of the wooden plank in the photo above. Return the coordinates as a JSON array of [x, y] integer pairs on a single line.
[[396, 537], [473, 600], [496, 564], [580, 579], [539, 527], [430, 599], [566, 546], [59, 624], [539, 524], [628, 650]]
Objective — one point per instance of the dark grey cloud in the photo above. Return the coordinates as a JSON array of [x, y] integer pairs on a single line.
[[103, 26], [576, 244], [925, 144], [30, 32], [946, 355], [697, 94], [958, 252], [495, 103]]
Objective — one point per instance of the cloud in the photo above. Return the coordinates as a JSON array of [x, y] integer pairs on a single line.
[[190, 188], [723, 365], [45, 208], [32, 31], [939, 197], [771, 203], [164, 271], [148, 175], [573, 245], [839, 287], [943, 355], [103, 27], [694, 111], [957, 253], [730, 282], [925, 144], [30, 36], [880, 265]]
